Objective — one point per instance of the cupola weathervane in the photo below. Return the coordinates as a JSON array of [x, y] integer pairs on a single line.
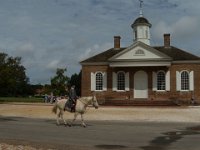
[[141, 13]]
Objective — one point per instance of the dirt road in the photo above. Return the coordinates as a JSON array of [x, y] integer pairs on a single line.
[[156, 114], [132, 114]]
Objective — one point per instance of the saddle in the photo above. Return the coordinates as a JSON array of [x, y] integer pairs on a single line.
[[70, 106]]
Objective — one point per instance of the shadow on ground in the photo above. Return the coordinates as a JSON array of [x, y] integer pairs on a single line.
[[168, 138]]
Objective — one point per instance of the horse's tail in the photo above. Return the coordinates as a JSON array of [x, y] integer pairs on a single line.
[[54, 109]]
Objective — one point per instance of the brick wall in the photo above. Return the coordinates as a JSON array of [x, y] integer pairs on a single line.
[[153, 95]]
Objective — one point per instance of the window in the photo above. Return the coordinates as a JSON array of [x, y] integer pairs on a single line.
[[99, 81], [136, 35], [139, 52], [161, 80], [121, 81], [146, 32], [184, 80]]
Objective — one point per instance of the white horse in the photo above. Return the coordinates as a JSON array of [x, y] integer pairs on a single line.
[[80, 108]]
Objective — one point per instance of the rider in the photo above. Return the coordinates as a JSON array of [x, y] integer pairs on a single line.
[[72, 98]]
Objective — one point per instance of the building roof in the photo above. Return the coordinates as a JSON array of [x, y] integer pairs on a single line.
[[175, 53], [140, 21], [104, 56]]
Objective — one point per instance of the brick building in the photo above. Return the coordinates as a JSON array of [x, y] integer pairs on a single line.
[[141, 72]]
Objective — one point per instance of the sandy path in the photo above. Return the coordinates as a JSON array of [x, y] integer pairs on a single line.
[[159, 114], [156, 114]]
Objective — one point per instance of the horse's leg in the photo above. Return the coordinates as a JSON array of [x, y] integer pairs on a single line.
[[75, 115], [62, 112], [83, 123], [57, 118]]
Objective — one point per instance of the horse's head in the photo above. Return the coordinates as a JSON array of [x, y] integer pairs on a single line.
[[94, 102]]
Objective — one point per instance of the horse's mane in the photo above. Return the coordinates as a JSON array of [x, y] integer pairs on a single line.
[[63, 100], [86, 99]]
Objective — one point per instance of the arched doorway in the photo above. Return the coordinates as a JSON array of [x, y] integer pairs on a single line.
[[141, 85]]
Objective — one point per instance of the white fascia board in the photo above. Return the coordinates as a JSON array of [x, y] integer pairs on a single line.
[[143, 60], [186, 61], [94, 63], [139, 64]]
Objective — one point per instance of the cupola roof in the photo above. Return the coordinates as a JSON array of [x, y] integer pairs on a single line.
[[140, 21]]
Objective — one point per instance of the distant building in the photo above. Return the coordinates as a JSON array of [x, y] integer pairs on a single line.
[[141, 72]]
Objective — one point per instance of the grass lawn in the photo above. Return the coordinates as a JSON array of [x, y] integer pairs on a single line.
[[21, 99]]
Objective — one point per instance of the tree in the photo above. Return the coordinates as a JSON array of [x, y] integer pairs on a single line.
[[76, 80], [13, 79], [59, 82]]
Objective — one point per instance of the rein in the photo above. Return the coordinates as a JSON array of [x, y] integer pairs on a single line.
[[86, 104], [83, 102]]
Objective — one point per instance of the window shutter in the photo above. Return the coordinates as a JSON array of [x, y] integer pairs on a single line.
[[167, 81], [154, 88], [93, 81], [114, 81], [191, 81], [178, 81], [104, 81], [127, 81]]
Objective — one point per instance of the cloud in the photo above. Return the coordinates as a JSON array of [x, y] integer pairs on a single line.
[[95, 49], [49, 34], [185, 28], [26, 49], [53, 65], [161, 4]]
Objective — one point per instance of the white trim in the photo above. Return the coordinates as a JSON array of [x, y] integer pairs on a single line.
[[104, 81], [154, 79], [127, 81], [191, 81], [137, 64], [178, 81], [93, 63], [114, 81], [93, 82], [167, 81], [186, 61]]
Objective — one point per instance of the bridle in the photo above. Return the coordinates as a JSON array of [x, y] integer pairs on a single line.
[[94, 101]]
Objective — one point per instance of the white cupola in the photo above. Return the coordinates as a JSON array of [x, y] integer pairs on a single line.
[[141, 28]]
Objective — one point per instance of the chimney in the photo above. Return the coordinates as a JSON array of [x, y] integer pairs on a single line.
[[166, 40], [117, 42]]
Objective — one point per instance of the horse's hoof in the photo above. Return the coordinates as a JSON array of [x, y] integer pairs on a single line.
[[84, 126]]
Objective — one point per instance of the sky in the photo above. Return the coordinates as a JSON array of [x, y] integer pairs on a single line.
[[51, 34]]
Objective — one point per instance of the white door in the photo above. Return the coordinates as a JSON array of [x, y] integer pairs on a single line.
[[140, 85]]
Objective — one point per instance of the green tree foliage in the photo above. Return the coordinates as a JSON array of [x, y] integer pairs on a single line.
[[13, 79], [59, 82], [76, 80]]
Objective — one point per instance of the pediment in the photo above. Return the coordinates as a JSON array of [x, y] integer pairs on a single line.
[[139, 52]]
